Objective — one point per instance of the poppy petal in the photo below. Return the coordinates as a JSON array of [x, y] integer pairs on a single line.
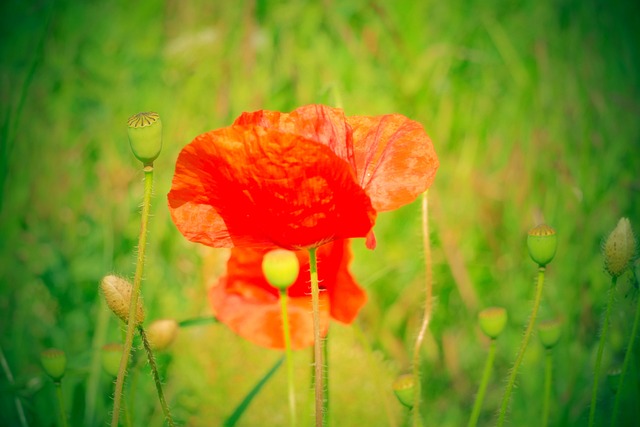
[[257, 187], [395, 159]]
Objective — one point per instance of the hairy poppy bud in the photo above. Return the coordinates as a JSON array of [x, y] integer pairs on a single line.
[[619, 248], [162, 333], [404, 387], [111, 355], [281, 268], [145, 136], [54, 362], [549, 333], [542, 242], [117, 293], [492, 321]]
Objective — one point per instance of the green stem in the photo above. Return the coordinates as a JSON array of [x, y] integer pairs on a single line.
[[63, 413], [156, 377], [7, 372], [317, 345], [426, 318], [603, 338], [548, 377], [486, 375], [287, 348], [142, 243], [325, 376], [523, 348], [625, 366]]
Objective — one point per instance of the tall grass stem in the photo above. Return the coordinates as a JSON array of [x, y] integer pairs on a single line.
[[7, 373]]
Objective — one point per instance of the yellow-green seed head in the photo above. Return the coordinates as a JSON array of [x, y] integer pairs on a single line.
[[117, 294], [145, 136], [111, 355], [492, 321], [281, 268], [404, 387], [54, 363], [542, 243], [619, 248], [162, 333], [549, 332]]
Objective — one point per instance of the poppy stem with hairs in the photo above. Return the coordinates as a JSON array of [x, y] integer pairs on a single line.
[[317, 344], [287, 345], [156, 376]]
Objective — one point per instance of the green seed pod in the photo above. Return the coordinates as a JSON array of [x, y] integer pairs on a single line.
[[281, 268], [54, 362], [542, 242], [549, 333], [111, 354], [492, 321], [145, 136], [619, 248], [117, 294], [404, 387], [162, 333]]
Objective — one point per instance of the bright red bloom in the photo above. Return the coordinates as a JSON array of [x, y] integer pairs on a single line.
[[298, 180], [248, 305]]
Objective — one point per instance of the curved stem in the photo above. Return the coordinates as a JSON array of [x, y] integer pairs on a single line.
[[548, 377], [486, 375], [156, 377], [426, 318], [523, 348], [317, 345], [287, 346], [603, 338], [625, 366], [63, 413], [142, 243]]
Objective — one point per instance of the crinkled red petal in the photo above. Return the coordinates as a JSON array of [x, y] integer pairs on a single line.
[[258, 187]]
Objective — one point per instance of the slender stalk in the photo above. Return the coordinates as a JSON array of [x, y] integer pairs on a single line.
[[603, 338], [548, 377], [625, 366], [317, 344], [287, 348], [7, 372], [426, 318], [486, 375], [156, 377], [142, 243], [63, 413], [523, 348]]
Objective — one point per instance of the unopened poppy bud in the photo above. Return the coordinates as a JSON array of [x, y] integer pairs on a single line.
[[619, 248], [117, 293], [492, 321], [145, 136], [54, 363], [111, 355], [281, 268], [404, 387], [542, 242], [549, 333], [162, 333]]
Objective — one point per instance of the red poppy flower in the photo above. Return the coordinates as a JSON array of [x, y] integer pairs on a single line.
[[298, 180], [248, 305]]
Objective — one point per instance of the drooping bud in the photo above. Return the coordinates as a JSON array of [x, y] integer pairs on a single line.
[[54, 363], [281, 268], [619, 248], [542, 243], [111, 355], [162, 333], [404, 387], [492, 321], [145, 136], [549, 333], [117, 292]]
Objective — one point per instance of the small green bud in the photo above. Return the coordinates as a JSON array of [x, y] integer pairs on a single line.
[[542, 242], [54, 362], [404, 387], [111, 355], [281, 268], [619, 248], [145, 136], [162, 333], [117, 294], [492, 321], [549, 333]]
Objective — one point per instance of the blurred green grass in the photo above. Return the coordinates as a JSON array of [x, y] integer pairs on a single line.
[[533, 108]]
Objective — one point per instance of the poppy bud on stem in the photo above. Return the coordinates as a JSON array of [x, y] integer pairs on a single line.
[[54, 363]]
